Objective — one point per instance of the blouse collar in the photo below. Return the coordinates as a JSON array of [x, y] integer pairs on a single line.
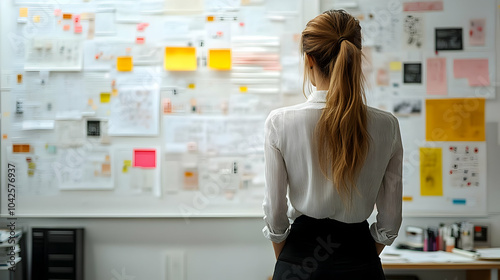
[[318, 96]]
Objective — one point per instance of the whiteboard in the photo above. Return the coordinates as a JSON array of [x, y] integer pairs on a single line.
[[95, 124], [395, 35], [203, 156]]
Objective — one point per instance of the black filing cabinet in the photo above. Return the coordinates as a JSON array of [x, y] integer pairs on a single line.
[[57, 253]]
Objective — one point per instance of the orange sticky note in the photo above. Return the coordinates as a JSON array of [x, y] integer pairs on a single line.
[[219, 59], [408, 198], [210, 18], [180, 59], [4, 136], [21, 148], [23, 12], [66, 27], [90, 101], [124, 63], [67, 16], [455, 119], [114, 92], [106, 168], [19, 78]]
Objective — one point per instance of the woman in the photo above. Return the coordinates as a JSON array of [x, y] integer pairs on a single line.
[[336, 158]]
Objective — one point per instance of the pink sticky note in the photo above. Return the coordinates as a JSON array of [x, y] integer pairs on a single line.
[[423, 6], [76, 19], [476, 32], [140, 40], [78, 28], [436, 76], [57, 12], [475, 70], [142, 26], [145, 158], [382, 77]]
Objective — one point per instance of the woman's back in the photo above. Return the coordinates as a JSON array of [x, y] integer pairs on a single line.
[[310, 193]]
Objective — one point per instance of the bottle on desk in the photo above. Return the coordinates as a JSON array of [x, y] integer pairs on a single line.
[[466, 236], [449, 238], [441, 241]]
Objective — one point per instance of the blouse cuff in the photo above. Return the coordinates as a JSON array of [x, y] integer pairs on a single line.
[[382, 235], [275, 237]]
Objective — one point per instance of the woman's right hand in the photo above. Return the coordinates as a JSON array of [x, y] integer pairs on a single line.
[[379, 247]]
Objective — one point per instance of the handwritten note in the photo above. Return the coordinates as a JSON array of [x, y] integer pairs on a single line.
[[431, 174], [436, 76], [476, 71], [476, 32]]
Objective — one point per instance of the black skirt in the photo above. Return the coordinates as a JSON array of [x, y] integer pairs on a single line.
[[328, 249]]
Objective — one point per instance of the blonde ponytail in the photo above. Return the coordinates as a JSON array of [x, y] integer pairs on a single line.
[[341, 132]]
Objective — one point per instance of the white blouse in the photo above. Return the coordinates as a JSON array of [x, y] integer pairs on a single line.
[[292, 167]]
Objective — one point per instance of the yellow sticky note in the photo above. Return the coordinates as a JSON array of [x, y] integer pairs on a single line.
[[127, 162], [114, 92], [23, 12], [105, 97], [219, 59], [191, 86], [180, 59], [124, 63], [243, 88], [455, 119], [36, 19], [408, 198], [431, 172], [395, 66], [125, 169]]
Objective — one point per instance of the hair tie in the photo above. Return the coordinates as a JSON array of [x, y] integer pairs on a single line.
[[340, 40], [336, 47]]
